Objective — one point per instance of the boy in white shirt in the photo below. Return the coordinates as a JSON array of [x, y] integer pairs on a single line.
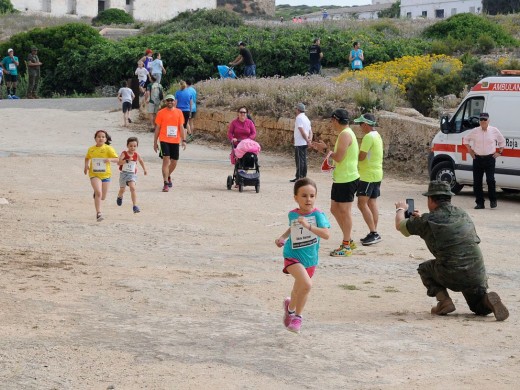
[[143, 76], [126, 96]]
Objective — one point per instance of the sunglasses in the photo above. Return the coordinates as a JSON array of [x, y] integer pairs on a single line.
[[242, 112], [170, 100], [483, 119]]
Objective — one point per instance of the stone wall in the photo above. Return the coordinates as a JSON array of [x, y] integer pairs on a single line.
[[406, 135]]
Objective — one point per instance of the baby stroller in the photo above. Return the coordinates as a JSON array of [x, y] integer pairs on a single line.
[[247, 170], [226, 72]]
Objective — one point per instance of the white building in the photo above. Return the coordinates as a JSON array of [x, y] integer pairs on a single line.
[[439, 9], [151, 10], [361, 12]]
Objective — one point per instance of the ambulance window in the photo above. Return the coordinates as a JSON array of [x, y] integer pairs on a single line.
[[467, 116]]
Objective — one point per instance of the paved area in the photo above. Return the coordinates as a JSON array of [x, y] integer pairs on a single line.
[[79, 104]]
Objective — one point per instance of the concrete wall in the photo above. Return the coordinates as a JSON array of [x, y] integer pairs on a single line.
[[406, 138], [450, 7], [153, 10]]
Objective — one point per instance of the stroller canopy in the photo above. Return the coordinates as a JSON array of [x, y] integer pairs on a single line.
[[226, 72]]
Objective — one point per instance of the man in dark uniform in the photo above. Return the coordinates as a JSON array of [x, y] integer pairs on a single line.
[[450, 236], [245, 57], [315, 56], [33, 68]]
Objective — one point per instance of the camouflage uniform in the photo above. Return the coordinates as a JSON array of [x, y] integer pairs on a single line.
[[451, 237]]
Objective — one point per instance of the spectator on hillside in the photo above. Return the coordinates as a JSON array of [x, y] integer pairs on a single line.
[[147, 59], [33, 69], [246, 58], [315, 56], [155, 97], [185, 103], [356, 57], [193, 92]]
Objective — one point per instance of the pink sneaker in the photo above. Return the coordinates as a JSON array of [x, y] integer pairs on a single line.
[[286, 316], [295, 325]]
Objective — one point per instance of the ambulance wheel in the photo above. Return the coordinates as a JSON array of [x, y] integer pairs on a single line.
[[444, 171], [229, 182]]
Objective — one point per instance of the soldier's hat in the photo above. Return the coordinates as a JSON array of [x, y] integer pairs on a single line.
[[438, 188]]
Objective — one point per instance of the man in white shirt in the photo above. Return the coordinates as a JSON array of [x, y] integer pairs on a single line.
[[482, 145], [302, 139]]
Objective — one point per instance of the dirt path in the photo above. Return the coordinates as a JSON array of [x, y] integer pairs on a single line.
[[187, 294]]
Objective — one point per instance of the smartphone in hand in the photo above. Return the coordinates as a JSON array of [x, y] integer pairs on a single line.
[[411, 207]]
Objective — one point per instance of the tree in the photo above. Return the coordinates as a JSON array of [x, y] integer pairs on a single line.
[[393, 12], [494, 7], [6, 7]]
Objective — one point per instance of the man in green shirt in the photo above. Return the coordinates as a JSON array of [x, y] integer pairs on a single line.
[[370, 176], [450, 235], [345, 177]]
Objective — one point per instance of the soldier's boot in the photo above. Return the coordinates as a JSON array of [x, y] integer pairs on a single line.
[[445, 304], [493, 302]]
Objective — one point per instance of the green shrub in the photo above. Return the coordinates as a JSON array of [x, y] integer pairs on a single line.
[[469, 26], [6, 7], [485, 44], [112, 16], [201, 19], [474, 70]]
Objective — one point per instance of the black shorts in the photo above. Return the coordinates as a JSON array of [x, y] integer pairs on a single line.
[[193, 113], [372, 190], [186, 117], [169, 150], [11, 78], [344, 192], [127, 106]]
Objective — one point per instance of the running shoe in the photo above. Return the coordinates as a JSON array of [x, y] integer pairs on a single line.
[[286, 316], [165, 188], [342, 251], [9, 97], [136, 209], [371, 239], [170, 183], [295, 325], [99, 217], [352, 245], [14, 97], [119, 201]]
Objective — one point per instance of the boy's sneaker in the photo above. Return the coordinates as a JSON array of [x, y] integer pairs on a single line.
[[295, 325], [9, 97], [371, 239], [136, 209], [342, 251], [119, 201], [170, 183], [165, 188], [286, 316], [99, 217], [14, 97], [352, 244]]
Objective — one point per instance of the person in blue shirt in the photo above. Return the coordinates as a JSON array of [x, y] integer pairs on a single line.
[[301, 244], [10, 65], [356, 57], [193, 91], [185, 103]]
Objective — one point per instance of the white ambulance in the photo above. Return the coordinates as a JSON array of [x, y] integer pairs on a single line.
[[449, 159]]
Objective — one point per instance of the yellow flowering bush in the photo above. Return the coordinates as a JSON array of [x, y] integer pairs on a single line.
[[400, 72]]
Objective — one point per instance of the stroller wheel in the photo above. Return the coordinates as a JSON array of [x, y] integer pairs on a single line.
[[257, 188], [229, 182]]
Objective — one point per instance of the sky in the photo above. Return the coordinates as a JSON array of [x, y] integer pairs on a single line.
[[322, 3]]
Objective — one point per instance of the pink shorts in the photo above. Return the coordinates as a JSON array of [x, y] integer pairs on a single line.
[[289, 261]]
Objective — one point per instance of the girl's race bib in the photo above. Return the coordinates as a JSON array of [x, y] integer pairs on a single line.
[[301, 237], [99, 165]]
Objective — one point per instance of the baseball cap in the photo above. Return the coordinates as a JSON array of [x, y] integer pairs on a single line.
[[300, 107], [369, 119], [341, 115], [168, 97], [34, 48], [10, 50], [484, 115], [241, 43]]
